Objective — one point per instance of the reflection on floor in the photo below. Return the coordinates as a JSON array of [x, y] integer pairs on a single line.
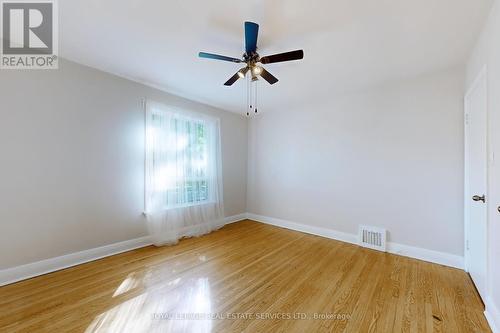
[[246, 277]]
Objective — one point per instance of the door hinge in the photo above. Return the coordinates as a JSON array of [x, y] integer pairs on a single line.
[[467, 119], [467, 245]]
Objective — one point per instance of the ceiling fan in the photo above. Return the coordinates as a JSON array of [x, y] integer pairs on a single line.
[[252, 58]]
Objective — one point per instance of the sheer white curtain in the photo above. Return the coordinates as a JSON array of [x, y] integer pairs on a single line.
[[183, 174]]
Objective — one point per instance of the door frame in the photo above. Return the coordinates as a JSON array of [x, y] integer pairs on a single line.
[[480, 78]]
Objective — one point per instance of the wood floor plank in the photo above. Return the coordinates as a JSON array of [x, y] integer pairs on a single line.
[[74, 274], [247, 277], [178, 267]]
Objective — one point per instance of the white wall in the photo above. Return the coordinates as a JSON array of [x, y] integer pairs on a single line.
[[391, 156], [72, 163], [487, 52]]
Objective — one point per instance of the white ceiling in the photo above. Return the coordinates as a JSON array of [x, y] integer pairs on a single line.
[[347, 43]]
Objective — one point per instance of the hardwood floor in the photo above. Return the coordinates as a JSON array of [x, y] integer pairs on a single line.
[[251, 277]]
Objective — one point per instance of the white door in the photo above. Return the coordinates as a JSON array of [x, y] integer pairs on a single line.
[[476, 166]]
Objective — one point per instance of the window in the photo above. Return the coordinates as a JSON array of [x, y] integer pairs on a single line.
[[181, 154]]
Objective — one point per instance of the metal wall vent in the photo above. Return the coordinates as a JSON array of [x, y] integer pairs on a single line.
[[372, 237]]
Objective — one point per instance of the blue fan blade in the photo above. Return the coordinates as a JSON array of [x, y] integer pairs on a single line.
[[218, 57], [251, 32]]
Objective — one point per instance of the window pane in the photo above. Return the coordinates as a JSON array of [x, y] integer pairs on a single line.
[[184, 142]]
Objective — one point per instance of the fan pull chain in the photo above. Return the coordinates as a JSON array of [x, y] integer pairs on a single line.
[[250, 91], [252, 96], [256, 101], [247, 106]]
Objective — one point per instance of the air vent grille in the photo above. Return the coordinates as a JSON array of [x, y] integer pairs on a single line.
[[372, 237]]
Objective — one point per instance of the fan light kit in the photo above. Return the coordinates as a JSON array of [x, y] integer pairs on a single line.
[[253, 61]]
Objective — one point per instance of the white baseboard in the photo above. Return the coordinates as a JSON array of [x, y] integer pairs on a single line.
[[19, 273], [318, 231], [235, 218], [441, 258], [492, 314]]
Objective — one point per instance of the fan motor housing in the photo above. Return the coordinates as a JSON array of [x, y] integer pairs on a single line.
[[251, 58]]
